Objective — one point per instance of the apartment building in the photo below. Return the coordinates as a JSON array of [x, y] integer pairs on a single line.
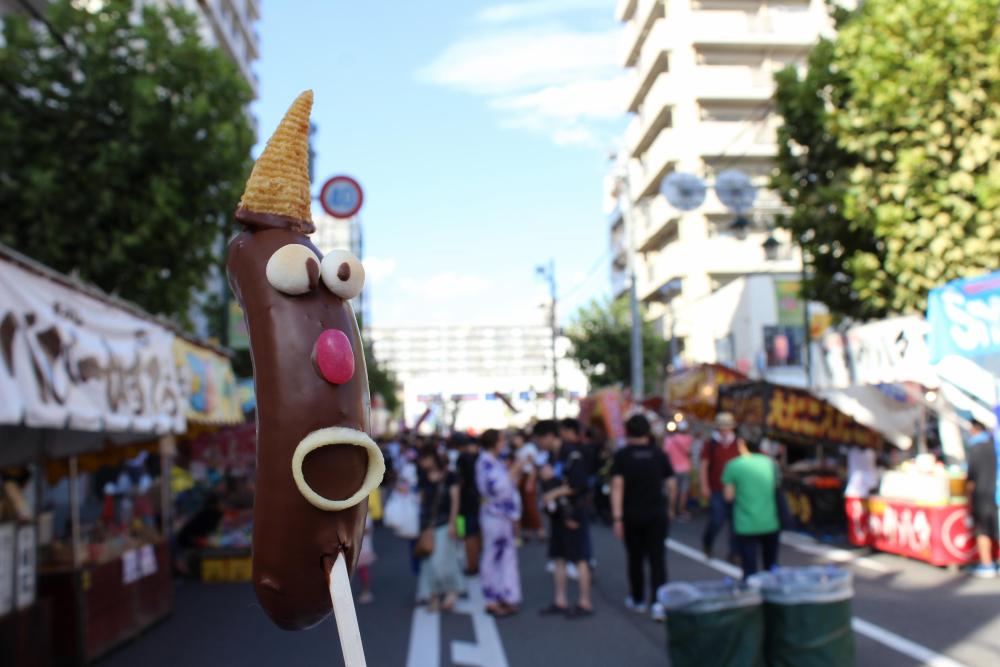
[[699, 92], [446, 369]]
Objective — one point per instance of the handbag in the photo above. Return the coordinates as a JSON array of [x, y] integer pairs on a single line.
[[424, 546]]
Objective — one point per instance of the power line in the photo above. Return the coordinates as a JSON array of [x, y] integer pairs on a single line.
[[598, 263]]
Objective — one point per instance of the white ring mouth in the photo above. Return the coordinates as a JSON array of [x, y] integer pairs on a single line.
[[338, 435]]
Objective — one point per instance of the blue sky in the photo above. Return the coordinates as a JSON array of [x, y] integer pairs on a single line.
[[480, 132]]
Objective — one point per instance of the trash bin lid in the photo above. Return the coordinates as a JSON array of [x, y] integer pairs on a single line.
[[799, 585], [700, 597]]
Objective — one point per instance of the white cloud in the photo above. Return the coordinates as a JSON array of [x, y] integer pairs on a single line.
[[445, 285], [517, 60], [378, 269], [515, 11], [539, 76]]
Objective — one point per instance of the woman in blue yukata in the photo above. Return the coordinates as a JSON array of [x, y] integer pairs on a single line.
[[501, 507]]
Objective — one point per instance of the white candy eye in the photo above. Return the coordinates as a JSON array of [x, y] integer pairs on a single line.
[[343, 274], [293, 269]]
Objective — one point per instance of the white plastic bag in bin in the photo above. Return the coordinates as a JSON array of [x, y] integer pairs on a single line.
[[703, 597], [804, 585]]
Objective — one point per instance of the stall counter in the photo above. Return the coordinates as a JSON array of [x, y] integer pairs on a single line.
[[937, 534], [99, 606]]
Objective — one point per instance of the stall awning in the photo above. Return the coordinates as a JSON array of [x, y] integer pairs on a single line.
[[793, 415], [73, 357]]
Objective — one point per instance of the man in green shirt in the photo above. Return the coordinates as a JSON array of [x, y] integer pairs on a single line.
[[751, 480]]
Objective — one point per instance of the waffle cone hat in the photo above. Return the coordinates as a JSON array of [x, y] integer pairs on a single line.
[[277, 193]]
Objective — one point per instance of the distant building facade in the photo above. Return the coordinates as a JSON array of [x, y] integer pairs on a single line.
[[456, 372]]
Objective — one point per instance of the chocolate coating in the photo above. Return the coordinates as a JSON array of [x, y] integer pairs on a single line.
[[291, 537]]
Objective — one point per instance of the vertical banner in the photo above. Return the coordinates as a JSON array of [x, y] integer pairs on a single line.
[[7, 540], [788, 297], [239, 339], [26, 572]]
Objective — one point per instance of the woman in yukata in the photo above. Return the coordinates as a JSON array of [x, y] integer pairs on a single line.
[[500, 509]]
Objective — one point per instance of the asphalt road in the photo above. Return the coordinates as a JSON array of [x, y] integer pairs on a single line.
[[906, 613]]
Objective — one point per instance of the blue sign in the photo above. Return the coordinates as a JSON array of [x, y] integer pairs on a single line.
[[341, 197], [965, 318]]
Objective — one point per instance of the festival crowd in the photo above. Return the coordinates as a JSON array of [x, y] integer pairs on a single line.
[[466, 504]]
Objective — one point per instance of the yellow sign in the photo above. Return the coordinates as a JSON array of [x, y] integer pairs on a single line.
[[208, 384]]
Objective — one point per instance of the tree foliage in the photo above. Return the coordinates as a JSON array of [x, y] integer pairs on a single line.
[[381, 380], [124, 146], [601, 339], [888, 153]]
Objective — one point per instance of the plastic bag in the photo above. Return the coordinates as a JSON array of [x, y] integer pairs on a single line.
[[402, 514]]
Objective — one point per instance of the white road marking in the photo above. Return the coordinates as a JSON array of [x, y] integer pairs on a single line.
[[425, 636], [902, 644], [425, 639], [922, 654], [488, 649], [810, 546]]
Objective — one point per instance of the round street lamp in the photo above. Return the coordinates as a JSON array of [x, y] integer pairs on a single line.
[[770, 246]]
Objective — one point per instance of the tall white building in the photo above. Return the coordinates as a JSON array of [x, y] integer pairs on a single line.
[[466, 366], [700, 88]]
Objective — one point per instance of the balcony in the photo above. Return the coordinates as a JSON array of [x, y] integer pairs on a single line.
[[790, 27], [653, 115], [718, 256], [717, 82], [749, 139], [639, 28], [625, 10], [655, 163], [657, 225], [652, 62]]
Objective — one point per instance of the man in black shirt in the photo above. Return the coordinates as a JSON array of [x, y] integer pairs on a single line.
[[468, 505], [642, 492], [981, 488], [564, 482]]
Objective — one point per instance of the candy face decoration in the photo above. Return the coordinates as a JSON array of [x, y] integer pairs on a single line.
[[316, 464]]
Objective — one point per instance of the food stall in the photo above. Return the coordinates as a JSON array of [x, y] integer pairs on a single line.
[[811, 433], [89, 401], [920, 510], [694, 391]]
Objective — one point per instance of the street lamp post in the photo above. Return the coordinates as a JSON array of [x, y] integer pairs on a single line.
[[549, 273], [625, 205]]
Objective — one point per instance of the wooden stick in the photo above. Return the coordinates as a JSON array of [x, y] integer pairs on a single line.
[[347, 619]]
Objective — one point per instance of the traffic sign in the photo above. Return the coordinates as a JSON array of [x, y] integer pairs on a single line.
[[341, 197]]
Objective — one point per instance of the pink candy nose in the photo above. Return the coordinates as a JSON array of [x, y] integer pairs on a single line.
[[334, 357]]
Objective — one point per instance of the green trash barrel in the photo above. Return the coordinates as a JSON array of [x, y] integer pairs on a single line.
[[807, 615], [713, 624]]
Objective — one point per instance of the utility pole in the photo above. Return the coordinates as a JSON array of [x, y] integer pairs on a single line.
[[625, 205], [549, 273]]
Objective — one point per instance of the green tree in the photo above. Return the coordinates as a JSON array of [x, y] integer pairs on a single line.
[[124, 147], [887, 153], [601, 338], [381, 380]]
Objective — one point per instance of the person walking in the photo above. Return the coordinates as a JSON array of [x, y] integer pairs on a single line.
[[468, 506], [981, 488], [642, 501], [677, 447], [526, 454], [750, 484], [440, 580], [564, 482], [500, 510], [721, 448]]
